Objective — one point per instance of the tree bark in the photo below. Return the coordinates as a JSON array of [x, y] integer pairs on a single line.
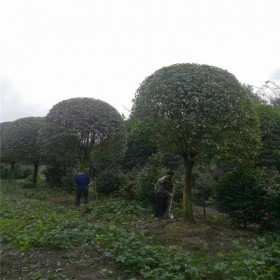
[[35, 172], [187, 195], [12, 171]]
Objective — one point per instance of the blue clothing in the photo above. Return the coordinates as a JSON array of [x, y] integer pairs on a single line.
[[82, 180]]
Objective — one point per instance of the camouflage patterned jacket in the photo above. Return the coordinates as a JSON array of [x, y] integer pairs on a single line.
[[163, 186]]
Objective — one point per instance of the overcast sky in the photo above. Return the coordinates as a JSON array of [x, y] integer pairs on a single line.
[[52, 50]]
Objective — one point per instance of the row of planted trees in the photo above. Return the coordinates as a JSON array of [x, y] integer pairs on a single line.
[[78, 132], [199, 114]]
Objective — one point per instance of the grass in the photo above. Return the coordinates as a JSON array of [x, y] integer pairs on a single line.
[[33, 218]]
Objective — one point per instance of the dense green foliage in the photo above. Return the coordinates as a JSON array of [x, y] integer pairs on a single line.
[[146, 179], [201, 106], [110, 180], [33, 219], [19, 142], [246, 194], [269, 155], [83, 131], [139, 147]]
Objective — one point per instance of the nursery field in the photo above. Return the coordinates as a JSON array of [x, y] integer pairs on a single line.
[[44, 237]]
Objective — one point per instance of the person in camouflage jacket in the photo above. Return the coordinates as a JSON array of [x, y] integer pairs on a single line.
[[163, 191]]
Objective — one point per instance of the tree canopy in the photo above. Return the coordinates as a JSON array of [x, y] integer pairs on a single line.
[[83, 130], [197, 111], [19, 141]]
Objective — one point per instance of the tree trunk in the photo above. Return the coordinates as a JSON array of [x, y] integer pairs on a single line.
[[35, 171], [12, 170], [187, 195]]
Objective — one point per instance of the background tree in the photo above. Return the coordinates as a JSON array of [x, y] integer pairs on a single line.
[[139, 147], [197, 110], [83, 131], [270, 92], [20, 142]]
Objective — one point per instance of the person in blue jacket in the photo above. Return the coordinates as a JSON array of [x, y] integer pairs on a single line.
[[82, 181]]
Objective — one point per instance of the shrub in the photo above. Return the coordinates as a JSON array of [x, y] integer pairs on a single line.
[[54, 175], [110, 180], [242, 195]]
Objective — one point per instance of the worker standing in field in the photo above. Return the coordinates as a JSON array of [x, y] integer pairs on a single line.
[[82, 181], [163, 191]]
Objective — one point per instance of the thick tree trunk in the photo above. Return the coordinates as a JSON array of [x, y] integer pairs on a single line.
[[187, 195], [35, 172], [12, 170]]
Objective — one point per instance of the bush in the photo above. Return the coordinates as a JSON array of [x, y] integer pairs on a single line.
[[54, 175], [242, 195], [110, 180]]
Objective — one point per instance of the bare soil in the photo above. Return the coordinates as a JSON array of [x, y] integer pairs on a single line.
[[204, 235], [43, 264]]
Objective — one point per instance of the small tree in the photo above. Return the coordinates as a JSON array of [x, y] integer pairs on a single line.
[[197, 110]]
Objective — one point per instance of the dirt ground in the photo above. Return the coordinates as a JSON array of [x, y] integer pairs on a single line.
[[42, 264], [90, 264], [205, 235]]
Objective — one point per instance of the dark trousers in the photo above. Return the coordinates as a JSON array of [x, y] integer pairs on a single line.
[[160, 205], [81, 191]]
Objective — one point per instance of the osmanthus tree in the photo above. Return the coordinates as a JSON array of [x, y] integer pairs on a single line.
[[197, 111], [83, 131], [20, 142]]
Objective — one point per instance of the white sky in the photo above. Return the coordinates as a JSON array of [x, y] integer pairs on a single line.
[[52, 50]]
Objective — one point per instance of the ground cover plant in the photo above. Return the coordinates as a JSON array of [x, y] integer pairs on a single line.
[[114, 237]]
